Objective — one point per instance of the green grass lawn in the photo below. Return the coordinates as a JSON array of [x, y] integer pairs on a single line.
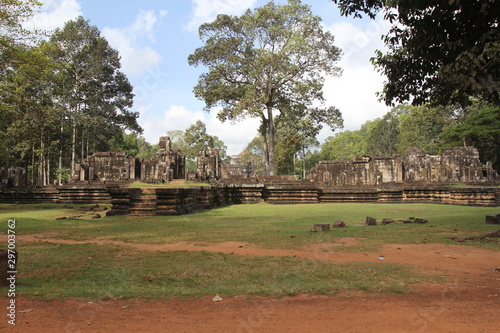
[[107, 271]]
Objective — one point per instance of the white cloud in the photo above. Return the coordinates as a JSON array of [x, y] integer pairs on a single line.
[[207, 10], [54, 14], [354, 92], [177, 117], [136, 60], [235, 136], [354, 95]]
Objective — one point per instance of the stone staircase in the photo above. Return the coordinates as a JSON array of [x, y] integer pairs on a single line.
[[143, 203]]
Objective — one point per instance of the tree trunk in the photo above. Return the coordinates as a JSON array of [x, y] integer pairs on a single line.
[[82, 154], [270, 168], [265, 142], [303, 163], [41, 164], [48, 168], [59, 177], [33, 164], [73, 149], [294, 165]]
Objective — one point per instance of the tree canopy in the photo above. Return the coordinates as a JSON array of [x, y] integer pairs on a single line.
[[440, 51], [197, 139], [429, 128], [480, 130], [194, 140], [268, 64], [61, 98], [92, 89]]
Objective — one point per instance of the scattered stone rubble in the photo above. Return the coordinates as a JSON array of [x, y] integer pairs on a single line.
[[369, 221]]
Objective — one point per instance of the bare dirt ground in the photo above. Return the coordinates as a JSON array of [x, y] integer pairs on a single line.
[[468, 302]]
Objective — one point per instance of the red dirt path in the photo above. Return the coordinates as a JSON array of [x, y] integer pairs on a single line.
[[470, 302]]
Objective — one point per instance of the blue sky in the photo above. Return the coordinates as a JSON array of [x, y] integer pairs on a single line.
[[155, 37]]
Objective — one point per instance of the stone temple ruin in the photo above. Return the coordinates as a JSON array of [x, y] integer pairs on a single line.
[[12, 177], [414, 177], [209, 166], [117, 166], [456, 164]]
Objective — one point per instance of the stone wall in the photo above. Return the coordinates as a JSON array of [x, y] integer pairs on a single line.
[[106, 166], [358, 172], [167, 201], [456, 164], [12, 177], [118, 167], [52, 194], [209, 166]]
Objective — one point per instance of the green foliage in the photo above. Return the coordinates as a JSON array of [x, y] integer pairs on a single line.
[[382, 138], [63, 174], [196, 139], [425, 127], [344, 146], [480, 130], [254, 153], [421, 127], [268, 64], [177, 140], [439, 51], [12, 14], [72, 82], [133, 145], [294, 139]]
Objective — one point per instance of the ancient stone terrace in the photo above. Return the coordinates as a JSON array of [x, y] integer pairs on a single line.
[[177, 201], [414, 177]]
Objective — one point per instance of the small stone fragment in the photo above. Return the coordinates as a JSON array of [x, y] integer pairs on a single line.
[[321, 227], [338, 224], [370, 221], [387, 221], [490, 219]]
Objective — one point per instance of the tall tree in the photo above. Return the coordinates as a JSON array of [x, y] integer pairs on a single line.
[[440, 51], [177, 139], [12, 53], [294, 139], [197, 139], [266, 64], [95, 93], [29, 92], [12, 14]]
